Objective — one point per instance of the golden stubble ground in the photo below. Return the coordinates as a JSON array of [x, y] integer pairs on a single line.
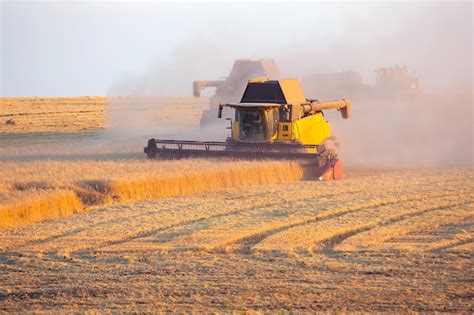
[[30, 115], [35, 114], [375, 241], [385, 240]]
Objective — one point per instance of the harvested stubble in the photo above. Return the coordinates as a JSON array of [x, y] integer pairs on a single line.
[[54, 114], [87, 114], [377, 241], [36, 191]]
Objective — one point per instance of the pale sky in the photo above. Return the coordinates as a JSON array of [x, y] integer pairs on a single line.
[[99, 48]]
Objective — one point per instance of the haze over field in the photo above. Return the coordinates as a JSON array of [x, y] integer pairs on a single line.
[[89, 223], [99, 48], [160, 48]]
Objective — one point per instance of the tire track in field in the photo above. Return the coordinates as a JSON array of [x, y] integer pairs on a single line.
[[143, 234], [64, 254], [246, 244], [149, 233], [53, 113], [125, 219], [71, 232], [424, 232], [201, 220], [453, 245], [458, 234], [152, 232], [328, 247]]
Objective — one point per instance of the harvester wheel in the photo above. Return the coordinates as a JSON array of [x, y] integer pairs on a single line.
[[151, 149], [329, 166]]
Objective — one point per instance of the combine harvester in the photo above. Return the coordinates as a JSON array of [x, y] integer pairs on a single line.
[[230, 90], [272, 121]]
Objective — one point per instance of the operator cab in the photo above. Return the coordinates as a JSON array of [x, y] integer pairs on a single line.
[[264, 104], [256, 119], [259, 123]]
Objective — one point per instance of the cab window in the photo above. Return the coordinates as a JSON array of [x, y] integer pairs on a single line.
[[252, 125]]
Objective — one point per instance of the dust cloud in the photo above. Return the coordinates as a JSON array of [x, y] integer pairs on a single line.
[[428, 129]]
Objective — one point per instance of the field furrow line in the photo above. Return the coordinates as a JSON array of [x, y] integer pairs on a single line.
[[53, 113], [419, 232], [453, 245], [256, 241], [48, 244], [246, 244], [129, 218], [151, 232], [132, 219], [328, 247], [184, 229]]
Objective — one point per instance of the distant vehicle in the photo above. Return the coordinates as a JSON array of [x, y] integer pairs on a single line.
[[396, 81], [230, 90], [390, 82]]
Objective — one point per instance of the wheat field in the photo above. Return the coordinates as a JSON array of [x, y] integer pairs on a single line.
[[41, 190], [393, 241], [89, 227], [27, 115], [90, 113]]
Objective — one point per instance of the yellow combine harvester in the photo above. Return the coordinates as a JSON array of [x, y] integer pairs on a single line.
[[272, 121]]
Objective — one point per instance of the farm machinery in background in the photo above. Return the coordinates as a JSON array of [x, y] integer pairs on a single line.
[[273, 120], [390, 83], [395, 81], [230, 90]]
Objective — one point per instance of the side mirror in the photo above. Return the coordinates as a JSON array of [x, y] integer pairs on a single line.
[[219, 113]]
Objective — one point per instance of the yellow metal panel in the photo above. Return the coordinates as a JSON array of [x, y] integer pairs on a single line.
[[313, 129], [235, 130], [258, 80], [284, 131], [292, 90]]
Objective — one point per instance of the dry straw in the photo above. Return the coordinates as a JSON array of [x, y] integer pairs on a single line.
[[40, 206], [34, 201], [150, 188]]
